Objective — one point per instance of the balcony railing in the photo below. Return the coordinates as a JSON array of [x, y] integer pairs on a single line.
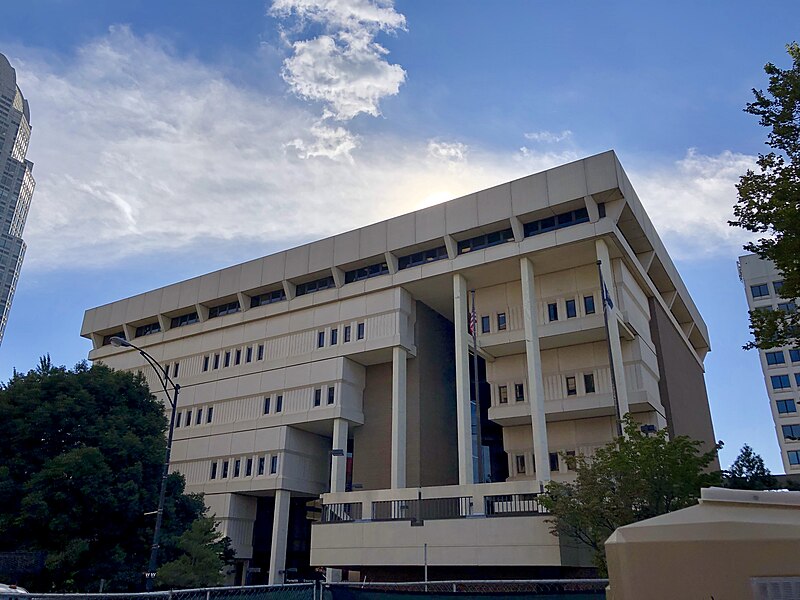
[[513, 505], [341, 513], [419, 510]]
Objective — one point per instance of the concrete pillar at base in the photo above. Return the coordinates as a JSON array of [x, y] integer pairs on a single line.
[[280, 533], [463, 408], [339, 463], [399, 367], [533, 359]]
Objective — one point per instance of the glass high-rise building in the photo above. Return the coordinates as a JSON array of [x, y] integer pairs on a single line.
[[16, 184]]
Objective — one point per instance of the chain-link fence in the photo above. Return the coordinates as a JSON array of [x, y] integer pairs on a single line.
[[542, 589], [289, 591]]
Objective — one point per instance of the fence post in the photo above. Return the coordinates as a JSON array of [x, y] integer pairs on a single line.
[[208, 594]]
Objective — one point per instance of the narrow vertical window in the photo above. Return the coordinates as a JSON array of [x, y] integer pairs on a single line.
[[248, 354], [260, 352], [209, 414], [502, 394], [554, 466], [588, 382], [260, 465], [552, 311], [237, 466], [485, 324], [248, 467], [216, 361], [320, 339], [360, 331], [266, 404], [175, 369], [238, 357], [331, 394], [588, 305], [178, 419], [205, 363], [520, 460], [188, 418], [519, 392], [273, 465], [572, 311], [317, 396], [225, 469], [501, 321], [214, 470], [199, 418], [572, 388], [227, 362], [347, 333], [334, 337], [279, 404]]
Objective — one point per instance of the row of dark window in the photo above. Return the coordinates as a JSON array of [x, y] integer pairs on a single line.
[[421, 258], [519, 461], [248, 467], [220, 310], [185, 418], [366, 272], [552, 313], [762, 289], [233, 357], [278, 404], [268, 298], [567, 219], [569, 380], [777, 357], [314, 286], [330, 396], [486, 240], [335, 335]]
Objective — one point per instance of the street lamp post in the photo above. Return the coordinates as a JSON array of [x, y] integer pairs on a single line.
[[165, 381]]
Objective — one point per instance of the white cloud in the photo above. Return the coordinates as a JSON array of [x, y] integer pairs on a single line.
[[549, 137], [139, 151]]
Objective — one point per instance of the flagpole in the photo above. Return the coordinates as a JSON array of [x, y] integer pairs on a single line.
[[473, 319], [605, 299]]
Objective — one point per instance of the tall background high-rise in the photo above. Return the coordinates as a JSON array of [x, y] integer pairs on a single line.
[[16, 184]]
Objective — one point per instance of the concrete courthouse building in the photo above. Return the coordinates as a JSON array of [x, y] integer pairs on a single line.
[[343, 368]]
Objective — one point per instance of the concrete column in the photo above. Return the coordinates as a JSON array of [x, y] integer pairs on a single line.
[[280, 533], [613, 326], [463, 409], [339, 463], [533, 359], [399, 364]]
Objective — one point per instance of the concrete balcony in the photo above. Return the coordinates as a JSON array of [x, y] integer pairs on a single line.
[[492, 524]]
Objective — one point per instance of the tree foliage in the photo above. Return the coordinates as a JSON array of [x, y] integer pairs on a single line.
[[632, 478], [769, 200], [748, 472], [80, 464], [204, 555]]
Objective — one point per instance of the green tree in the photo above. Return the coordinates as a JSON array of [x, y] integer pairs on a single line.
[[205, 552], [748, 472], [769, 200], [81, 463], [634, 477]]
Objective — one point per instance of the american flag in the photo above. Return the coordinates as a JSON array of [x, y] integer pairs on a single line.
[[473, 318]]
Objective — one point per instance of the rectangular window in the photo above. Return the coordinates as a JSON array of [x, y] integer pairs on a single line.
[[794, 355], [279, 403], [786, 406], [223, 309], [331, 394], [320, 339], [214, 470], [188, 418], [175, 368], [314, 286], [794, 457], [199, 418], [317, 397], [520, 460], [485, 241], [485, 324], [519, 392], [273, 465], [775, 358], [224, 469], [554, 466], [777, 286], [148, 329], [260, 353], [266, 404], [552, 312], [420, 258], [572, 311], [502, 394], [588, 382], [334, 337], [588, 305], [237, 466], [216, 361], [267, 298], [780, 382], [186, 319], [227, 362], [205, 363], [366, 272], [788, 307], [248, 467], [572, 388], [261, 465], [248, 354], [178, 419], [791, 432], [209, 414], [347, 329], [501, 321], [759, 291], [360, 331], [797, 379], [567, 219], [238, 357], [601, 211]]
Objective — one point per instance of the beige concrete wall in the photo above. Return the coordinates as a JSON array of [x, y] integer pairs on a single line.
[[372, 443]]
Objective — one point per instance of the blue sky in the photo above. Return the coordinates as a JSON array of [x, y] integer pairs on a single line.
[[173, 138]]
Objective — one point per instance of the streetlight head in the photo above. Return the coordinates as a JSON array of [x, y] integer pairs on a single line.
[[118, 341]]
